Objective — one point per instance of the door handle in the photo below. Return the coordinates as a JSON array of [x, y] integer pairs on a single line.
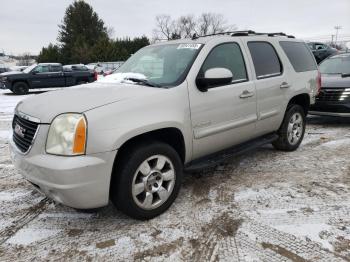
[[246, 94], [284, 85]]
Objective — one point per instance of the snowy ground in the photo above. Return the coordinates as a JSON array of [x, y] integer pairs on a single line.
[[263, 206]]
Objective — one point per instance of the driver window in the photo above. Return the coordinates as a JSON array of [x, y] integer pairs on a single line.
[[227, 56]]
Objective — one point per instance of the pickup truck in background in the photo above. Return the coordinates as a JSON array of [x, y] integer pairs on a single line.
[[43, 75]]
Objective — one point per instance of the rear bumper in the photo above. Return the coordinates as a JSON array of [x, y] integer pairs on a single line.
[[80, 182], [331, 109], [319, 113]]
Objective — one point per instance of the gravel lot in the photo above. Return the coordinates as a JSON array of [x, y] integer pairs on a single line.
[[263, 206]]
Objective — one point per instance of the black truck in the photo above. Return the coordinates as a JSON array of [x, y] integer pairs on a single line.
[[43, 75]]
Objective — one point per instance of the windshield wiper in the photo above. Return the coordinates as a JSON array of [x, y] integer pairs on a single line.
[[142, 81], [345, 75]]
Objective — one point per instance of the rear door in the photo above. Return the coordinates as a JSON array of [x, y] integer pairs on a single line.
[[57, 78], [271, 83], [224, 115]]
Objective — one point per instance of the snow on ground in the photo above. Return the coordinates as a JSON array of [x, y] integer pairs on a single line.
[[265, 205]]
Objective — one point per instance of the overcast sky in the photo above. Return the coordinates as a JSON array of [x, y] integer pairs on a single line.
[[29, 25]]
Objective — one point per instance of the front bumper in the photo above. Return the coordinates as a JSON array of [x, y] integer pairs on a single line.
[[80, 181], [330, 109], [4, 85]]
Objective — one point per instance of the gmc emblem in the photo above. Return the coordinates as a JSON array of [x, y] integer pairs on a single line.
[[19, 130]]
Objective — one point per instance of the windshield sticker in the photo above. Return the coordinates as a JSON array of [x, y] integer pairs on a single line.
[[189, 46]]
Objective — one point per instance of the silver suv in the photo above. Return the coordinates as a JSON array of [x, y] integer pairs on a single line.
[[173, 106]]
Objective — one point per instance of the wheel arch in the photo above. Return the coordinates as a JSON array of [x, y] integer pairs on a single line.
[[301, 99], [169, 135], [20, 80]]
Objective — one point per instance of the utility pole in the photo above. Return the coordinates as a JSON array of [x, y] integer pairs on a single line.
[[337, 28]]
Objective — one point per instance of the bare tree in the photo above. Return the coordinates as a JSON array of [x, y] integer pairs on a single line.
[[165, 27], [25, 59], [185, 26], [211, 23]]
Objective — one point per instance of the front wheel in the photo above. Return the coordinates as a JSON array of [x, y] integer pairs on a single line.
[[147, 180], [292, 130], [20, 88]]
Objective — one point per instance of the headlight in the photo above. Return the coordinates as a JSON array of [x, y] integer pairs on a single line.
[[4, 79], [67, 135]]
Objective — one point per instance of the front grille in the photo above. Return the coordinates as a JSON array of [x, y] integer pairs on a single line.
[[334, 95], [23, 132]]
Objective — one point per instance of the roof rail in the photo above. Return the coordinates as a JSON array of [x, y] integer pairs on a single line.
[[242, 33]]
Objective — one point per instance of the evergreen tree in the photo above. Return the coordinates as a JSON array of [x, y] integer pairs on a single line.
[[80, 30], [83, 38], [52, 54]]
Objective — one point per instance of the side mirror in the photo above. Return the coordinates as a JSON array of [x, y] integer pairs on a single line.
[[214, 77], [34, 72]]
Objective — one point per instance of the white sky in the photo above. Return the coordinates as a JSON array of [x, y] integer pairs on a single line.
[[30, 25]]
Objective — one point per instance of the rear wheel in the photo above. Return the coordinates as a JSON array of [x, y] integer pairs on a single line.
[[147, 180], [20, 88], [292, 130]]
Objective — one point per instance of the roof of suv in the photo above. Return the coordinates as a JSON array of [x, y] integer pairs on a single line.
[[225, 35]]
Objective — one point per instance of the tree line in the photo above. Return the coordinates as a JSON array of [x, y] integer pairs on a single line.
[[84, 38]]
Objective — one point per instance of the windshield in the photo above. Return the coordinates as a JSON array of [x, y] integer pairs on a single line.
[[336, 65], [161, 65], [30, 68]]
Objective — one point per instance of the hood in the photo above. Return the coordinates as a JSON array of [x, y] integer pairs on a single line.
[[11, 73], [335, 81], [47, 106]]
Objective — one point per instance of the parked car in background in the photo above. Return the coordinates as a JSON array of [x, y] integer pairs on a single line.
[[76, 67], [321, 51], [334, 96], [128, 137], [42, 76], [4, 69], [105, 68]]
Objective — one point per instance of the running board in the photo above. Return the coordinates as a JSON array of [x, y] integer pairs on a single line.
[[224, 155]]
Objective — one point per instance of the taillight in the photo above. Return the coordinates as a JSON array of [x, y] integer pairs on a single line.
[[318, 82], [95, 76]]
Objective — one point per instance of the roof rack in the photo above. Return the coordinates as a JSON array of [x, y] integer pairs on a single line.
[[243, 33]]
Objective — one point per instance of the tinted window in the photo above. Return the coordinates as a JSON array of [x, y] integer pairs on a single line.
[[56, 68], [299, 56], [265, 59], [227, 56]]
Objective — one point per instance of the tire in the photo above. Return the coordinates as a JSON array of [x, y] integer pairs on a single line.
[[292, 130], [20, 88], [141, 191]]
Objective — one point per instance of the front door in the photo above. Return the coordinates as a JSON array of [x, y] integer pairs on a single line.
[[224, 115], [40, 76]]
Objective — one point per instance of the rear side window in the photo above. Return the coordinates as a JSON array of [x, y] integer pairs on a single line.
[[299, 56], [265, 59], [227, 56], [55, 68]]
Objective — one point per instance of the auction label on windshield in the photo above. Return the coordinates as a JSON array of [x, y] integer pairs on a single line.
[[189, 46]]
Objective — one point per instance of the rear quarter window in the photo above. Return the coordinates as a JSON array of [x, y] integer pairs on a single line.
[[299, 56]]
